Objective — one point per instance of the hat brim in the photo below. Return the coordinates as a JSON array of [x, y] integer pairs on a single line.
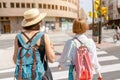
[[35, 21]]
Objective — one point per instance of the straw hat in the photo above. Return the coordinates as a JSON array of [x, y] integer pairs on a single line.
[[31, 17]]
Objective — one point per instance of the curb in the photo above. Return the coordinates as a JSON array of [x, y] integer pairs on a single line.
[[104, 45]]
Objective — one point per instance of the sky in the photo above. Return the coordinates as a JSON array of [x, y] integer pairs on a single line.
[[87, 6]]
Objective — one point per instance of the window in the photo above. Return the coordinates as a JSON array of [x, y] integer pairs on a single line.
[[52, 6], [103, 3], [40, 5], [0, 5], [12, 5], [17, 5], [60, 7], [28, 5], [65, 8], [2, 18], [33, 5], [49, 6], [44, 6], [6, 18], [56, 7], [4, 5], [23, 5]]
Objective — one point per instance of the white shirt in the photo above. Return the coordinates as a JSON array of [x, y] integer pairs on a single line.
[[70, 49]]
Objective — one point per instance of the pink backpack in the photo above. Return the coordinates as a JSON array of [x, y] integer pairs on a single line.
[[83, 65]]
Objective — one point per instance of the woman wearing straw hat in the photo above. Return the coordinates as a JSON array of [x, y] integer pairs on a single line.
[[31, 24]]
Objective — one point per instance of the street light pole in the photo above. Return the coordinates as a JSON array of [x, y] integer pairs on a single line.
[[93, 18], [100, 24]]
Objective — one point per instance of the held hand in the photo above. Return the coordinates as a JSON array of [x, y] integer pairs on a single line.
[[100, 78], [59, 67]]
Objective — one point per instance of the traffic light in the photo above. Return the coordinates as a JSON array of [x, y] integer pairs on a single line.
[[97, 5], [91, 14], [104, 10], [106, 17], [95, 15]]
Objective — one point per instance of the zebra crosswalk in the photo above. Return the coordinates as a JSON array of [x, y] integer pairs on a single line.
[[104, 58]]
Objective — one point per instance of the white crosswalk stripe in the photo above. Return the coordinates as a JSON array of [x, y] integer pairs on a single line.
[[57, 75], [7, 70], [10, 78], [101, 52], [107, 58], [110, 68], [60, 75]]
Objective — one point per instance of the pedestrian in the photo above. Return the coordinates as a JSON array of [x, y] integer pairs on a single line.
[[117, 29], [42, 28], [31, 24], [47, 29], [113, 25], [71, 45]]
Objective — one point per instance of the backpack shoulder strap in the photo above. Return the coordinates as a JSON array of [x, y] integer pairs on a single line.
[[25, 35], [82, 44], [78, 40], [21, 40], [29, 39], [36, 38]]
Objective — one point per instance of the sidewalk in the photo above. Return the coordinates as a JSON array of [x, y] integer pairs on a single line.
[[103, 45], [107, 39]]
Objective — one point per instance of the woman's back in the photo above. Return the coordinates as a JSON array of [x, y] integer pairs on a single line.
[[71, 46], [27, 35]]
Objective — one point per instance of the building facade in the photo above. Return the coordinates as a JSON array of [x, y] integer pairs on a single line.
[[60, 13], [114, 12], [105, 3]]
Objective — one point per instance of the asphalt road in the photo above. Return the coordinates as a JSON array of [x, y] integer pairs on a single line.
[[115, 74]]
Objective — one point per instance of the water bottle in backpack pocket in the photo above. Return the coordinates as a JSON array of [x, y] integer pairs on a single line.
[[29, 65]]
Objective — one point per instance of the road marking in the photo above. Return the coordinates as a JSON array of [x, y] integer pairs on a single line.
[[110, 68], [60, 75], [10, 78], [55, 64], [101, 52], [107, 58], [7, 70]]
